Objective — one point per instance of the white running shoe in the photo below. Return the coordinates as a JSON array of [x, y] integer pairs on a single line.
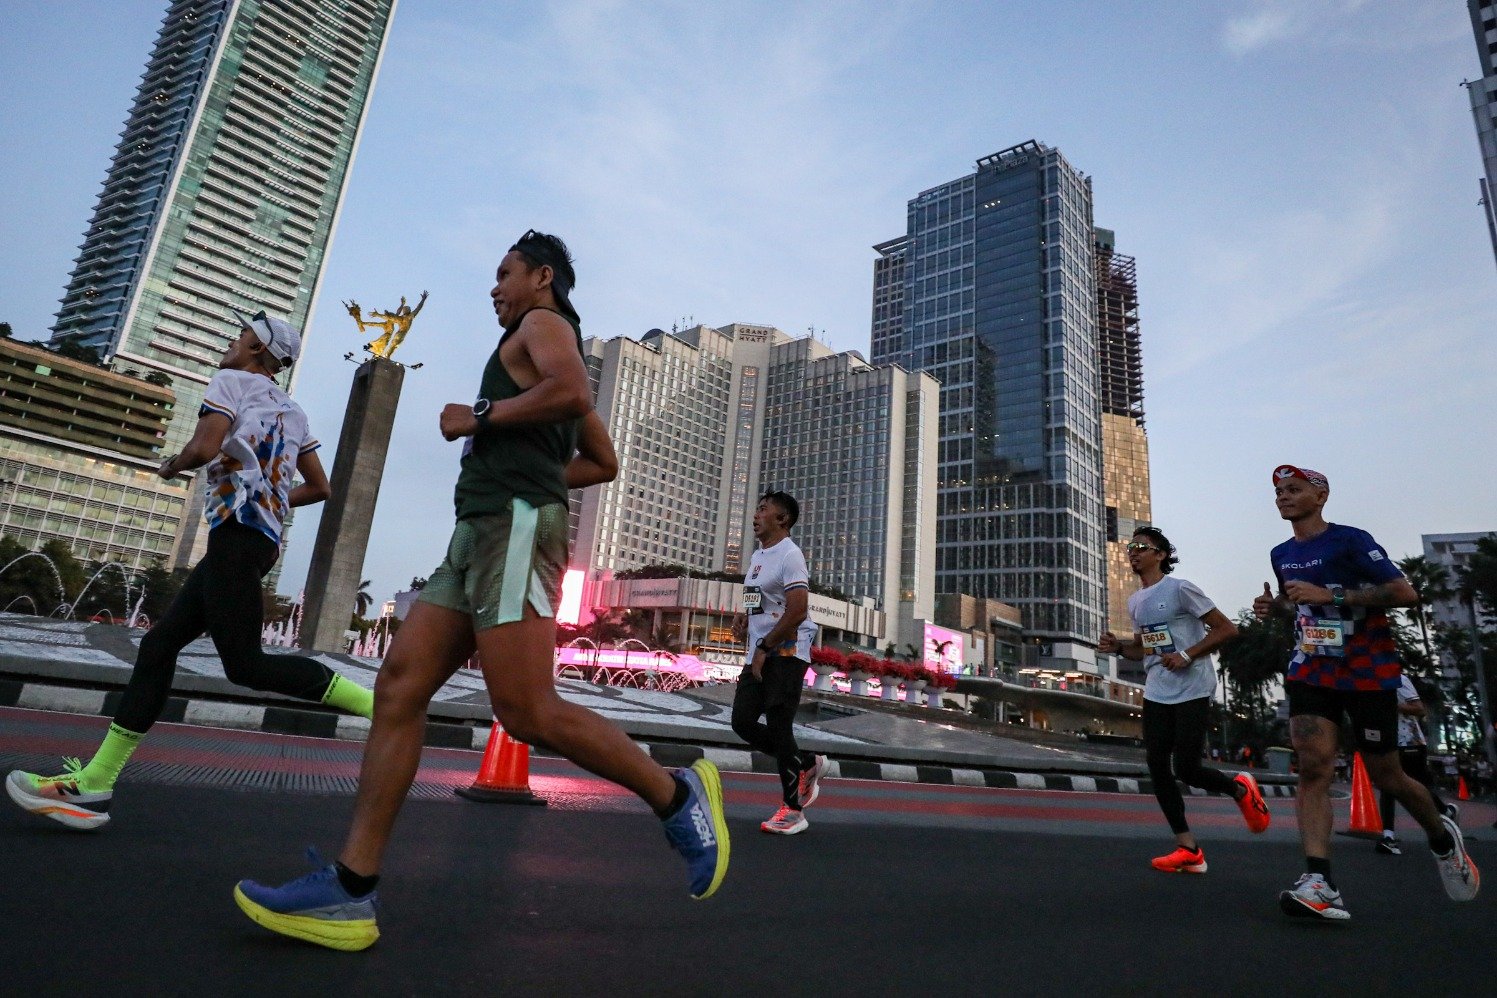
[[810, 781], [1312, 897], [1457, 872]]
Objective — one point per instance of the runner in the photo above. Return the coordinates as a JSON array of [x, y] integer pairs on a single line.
[[1413, 757], [776, 592], [1177, 629], [532, 435], [1339, 583], [253, 438]]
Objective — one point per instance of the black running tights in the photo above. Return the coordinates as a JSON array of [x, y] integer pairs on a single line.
[[1415, 762], [221, 596], [775, 698], [1174, 735]]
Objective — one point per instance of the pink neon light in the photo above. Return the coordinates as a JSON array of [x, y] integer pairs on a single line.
[[571, 597]]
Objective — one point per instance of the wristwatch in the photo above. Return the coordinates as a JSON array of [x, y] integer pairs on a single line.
[[1338, 594], [480, 410]]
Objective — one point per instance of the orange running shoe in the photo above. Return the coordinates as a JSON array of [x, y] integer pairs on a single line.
[[1254, 811], [1182, 860]]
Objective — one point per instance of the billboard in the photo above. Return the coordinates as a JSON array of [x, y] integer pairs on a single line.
[[943, 649]]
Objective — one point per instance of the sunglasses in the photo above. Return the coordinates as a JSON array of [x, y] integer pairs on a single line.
[[1140, 546]]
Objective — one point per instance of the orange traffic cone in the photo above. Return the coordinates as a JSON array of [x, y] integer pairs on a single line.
[[504, 774], [1365, 819], [1462, 793]]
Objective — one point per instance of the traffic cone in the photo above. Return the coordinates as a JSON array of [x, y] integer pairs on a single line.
[[1365, 819], [504, 774], [1462, 793]]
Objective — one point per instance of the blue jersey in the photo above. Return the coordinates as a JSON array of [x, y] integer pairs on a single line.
[[1346, 648]]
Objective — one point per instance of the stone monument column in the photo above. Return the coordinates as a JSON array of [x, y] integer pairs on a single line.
[[343, 533]]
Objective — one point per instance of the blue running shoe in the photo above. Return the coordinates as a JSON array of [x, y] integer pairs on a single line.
[[699, 831], [314, 908]]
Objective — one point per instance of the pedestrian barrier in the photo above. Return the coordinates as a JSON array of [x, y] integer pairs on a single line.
[[1365, 819], [504, 773]]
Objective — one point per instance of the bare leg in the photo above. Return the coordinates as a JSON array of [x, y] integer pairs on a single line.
[[1314, 739], [1386, 771], [517, 666], [429, 647]]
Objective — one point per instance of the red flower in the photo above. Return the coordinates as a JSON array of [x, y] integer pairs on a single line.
[[822, 655], [862, 662]]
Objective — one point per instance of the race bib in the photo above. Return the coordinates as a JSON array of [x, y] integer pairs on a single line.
[[1157, 639], [753, 600], [1322, 637]]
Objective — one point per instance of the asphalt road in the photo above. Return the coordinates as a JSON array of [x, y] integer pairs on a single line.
[[896, 889]]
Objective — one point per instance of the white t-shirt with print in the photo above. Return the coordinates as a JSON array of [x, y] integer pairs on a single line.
[[1410, 731], [773, 572], [250, 479], [1167, 618]]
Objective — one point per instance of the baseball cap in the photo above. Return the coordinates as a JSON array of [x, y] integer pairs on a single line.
[[1315, 478], [280, 337]]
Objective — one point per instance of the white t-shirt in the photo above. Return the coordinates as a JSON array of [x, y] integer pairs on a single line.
[[250, 480], [1410, 731], [773, 572], [1167, 617]]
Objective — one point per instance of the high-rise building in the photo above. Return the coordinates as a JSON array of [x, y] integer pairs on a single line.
[[1125, 444], [224, 190], [1483, 94], [999, 303], [79, 449], [706, 420], [1454, 553]]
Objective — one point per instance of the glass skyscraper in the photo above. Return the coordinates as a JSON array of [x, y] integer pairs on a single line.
[[1484, 104], [225, 187], [992, 289]]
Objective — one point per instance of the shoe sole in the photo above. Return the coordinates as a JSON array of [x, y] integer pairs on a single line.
[[1295, 908], [350, 937], [77, 818], [713, 784], [1193, 868]]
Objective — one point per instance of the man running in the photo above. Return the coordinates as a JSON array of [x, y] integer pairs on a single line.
[[776, 594], [254, 439], [531, 436], [1176, 631], [1413, 758], [1339, 584]]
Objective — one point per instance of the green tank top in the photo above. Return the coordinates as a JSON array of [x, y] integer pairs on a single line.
[[526, 462]]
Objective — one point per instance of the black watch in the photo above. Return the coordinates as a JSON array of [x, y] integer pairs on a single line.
[[480, 410]]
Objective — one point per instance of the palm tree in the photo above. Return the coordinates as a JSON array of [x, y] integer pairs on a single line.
[[1431, 580], [362, 599]]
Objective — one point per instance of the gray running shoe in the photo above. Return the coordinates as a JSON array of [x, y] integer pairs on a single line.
[[1457, 872], [1312, 897]]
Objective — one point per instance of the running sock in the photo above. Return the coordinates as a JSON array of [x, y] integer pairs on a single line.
[[1321, 868], [677, 802], [104, 768], [356, 884], [345, 694]]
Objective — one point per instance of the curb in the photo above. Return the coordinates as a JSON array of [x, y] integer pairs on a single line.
[[439, 734]]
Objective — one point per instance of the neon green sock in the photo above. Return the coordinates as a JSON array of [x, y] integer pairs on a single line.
[[345, 694], [104, 768]]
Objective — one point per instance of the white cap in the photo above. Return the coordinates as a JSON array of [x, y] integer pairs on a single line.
[[281, 339]]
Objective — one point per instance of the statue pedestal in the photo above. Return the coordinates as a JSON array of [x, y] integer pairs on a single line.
[[343, 534]]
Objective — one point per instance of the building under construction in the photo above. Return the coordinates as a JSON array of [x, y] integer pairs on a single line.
[[1125, 444]]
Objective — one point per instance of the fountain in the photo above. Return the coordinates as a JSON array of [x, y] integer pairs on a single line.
[[18, 599], [62, 594], [125, 576]]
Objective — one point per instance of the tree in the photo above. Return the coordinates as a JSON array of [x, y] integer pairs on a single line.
[[362, 599], [1252, 663], [161, 586], [72, 347], [1431, 580], [68, 567], [5, 331], [418, 582], [158, 378]]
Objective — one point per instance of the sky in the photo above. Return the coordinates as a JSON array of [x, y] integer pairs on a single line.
[[1298, 181]]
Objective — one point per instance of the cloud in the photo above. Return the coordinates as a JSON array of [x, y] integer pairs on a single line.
[[1345, 25]]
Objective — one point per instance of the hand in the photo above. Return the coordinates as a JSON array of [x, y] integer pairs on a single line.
[[1172, 661], [458, 421], [740, 629], [757, 665], [1308, 593], [168, 469], [1263, 606], [1108, 644]]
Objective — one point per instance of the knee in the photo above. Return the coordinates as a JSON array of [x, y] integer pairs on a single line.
[[243, 670], [1187, 768], [398, 690], [1315, 769], [743, 724], [531, 722]]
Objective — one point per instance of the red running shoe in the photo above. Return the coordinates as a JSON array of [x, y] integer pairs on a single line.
[[1182, 860], [1254, 811]]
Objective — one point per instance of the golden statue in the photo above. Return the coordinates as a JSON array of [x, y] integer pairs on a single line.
[[394, 324]]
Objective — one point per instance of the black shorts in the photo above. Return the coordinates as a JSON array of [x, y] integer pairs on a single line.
[[1373, 713]]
